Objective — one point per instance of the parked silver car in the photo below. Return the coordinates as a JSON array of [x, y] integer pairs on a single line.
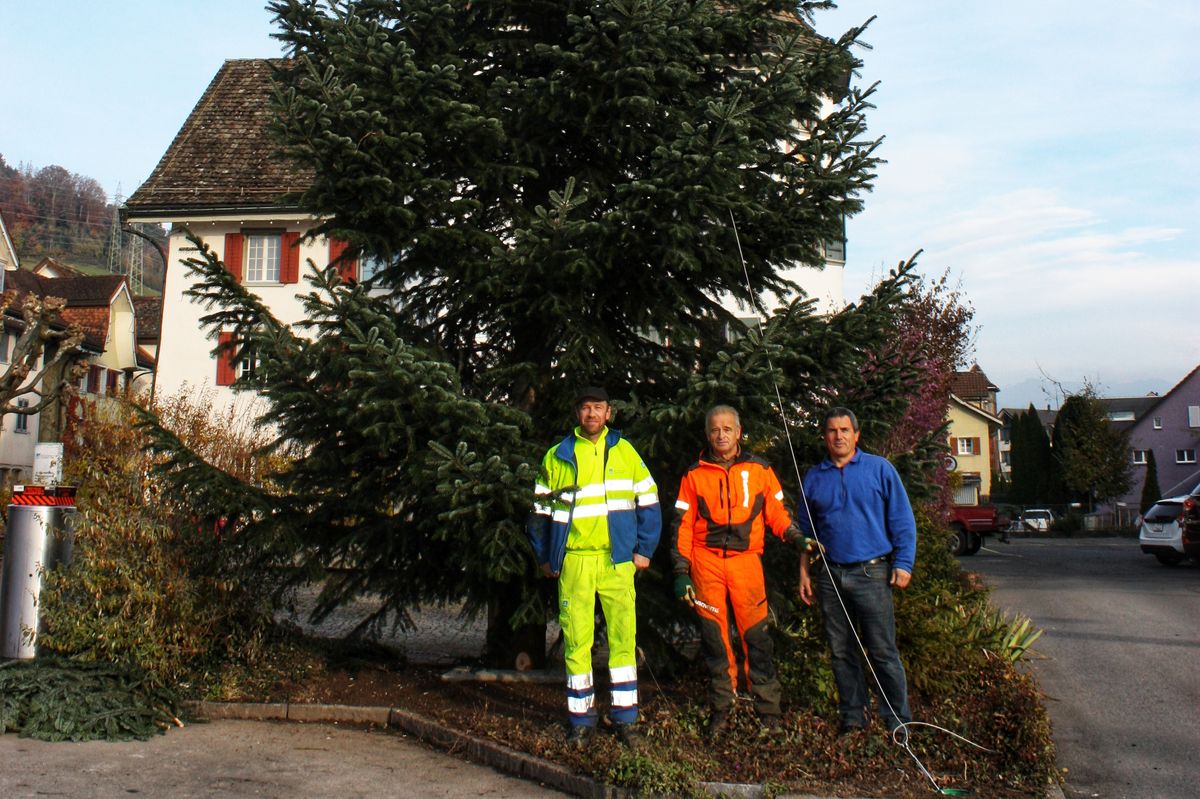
[[1161, 531]]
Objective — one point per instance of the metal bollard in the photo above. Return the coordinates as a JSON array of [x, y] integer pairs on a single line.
[[40, 536]]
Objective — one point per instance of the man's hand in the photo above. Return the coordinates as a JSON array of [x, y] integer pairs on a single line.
[[641, 562], [806, 588], [900, 578], [546, 572], [685, 591]]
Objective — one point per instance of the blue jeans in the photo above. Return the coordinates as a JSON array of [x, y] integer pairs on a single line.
[[867, 594]]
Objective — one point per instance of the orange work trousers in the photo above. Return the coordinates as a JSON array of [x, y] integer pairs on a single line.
[[734, 580]]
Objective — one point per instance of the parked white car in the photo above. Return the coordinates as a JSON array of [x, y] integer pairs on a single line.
[[1161, 531], [1037, 520]]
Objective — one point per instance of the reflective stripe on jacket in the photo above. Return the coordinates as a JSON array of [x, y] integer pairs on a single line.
[[626, 500], [728, 509]]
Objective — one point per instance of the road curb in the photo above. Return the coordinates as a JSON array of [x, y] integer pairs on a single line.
[[477, 750]]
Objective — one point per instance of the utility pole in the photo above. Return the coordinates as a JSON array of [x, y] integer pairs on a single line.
[[115, 237], [137, 269]]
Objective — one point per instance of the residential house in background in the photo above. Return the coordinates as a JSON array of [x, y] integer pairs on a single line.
[[223, 180], [8, 254], [1168, 426], [103, 307], [974, 434], [49, 267], [1124, 412], [1004, 440]]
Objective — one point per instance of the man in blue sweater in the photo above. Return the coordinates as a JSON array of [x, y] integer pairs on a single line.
[[862, 518]]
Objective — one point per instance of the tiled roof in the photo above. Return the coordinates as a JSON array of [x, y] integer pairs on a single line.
[[147, 310], [224, 155], [88, 290], [93, 320], [972, 385], [1046, 416], [88, 299], [1125, 406], [61, 268]]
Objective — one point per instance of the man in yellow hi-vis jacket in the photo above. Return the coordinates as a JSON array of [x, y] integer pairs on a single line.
[[596, 522]]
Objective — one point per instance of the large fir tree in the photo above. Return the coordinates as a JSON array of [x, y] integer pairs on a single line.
[[554, 188], [554, 185]]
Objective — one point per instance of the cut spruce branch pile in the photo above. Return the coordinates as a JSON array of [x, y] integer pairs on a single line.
[[62, 700]]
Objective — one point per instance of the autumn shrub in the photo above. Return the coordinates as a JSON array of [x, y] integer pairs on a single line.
[[154, 583]]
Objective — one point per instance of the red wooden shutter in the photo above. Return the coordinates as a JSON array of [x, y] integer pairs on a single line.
[[953, 445], [93, 380], [976, 449], [289, 259], [233, 254], [346, 267], [226, 368]]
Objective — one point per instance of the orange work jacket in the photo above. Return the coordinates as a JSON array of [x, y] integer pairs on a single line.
[[728, 509]]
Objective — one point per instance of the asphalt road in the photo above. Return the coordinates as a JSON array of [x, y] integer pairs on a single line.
[[251, 758], [1119, 660]]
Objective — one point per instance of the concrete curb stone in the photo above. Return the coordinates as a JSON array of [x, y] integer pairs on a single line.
[[477, 750]]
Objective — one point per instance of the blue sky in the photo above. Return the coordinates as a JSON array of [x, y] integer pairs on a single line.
[[1045, 153]]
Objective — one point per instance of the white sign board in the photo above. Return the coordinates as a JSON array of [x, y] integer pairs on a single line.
[[47, 464]]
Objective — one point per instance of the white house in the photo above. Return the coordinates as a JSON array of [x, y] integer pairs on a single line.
[[221, 180]]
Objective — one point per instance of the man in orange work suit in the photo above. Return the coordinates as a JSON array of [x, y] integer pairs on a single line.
[[727, 499]]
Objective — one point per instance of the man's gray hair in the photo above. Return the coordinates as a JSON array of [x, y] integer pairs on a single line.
[[838, 412], [717, 410]]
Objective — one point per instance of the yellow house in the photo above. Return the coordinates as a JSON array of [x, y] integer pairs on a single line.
[[972, 440]]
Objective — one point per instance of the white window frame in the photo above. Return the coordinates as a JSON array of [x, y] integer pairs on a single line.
[[1158, 423], [1185, 456], [369, 266], [1194, 416], [246, 364], [264, 258], [1139, 457], [970, 447]]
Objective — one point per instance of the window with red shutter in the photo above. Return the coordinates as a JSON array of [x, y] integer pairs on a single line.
[[289, 271], [93, 380], [226, 369], [233, 254], [347, 267]]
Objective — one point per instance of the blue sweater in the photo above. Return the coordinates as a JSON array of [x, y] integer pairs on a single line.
[[861, 511]]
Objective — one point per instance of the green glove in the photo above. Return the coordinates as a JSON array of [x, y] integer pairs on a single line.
[[685, 590]]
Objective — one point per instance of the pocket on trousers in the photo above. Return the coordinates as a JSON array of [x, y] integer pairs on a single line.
[[878, 571]]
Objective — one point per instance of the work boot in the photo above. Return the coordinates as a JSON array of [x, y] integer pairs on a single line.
[[579, 737], [718, 723], [771, 722], [630, 737], [849, 728]]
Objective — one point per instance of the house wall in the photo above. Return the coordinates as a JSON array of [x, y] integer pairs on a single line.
[[1176, 433], [184, 352], [966, 425], [120, 350], [16, 446]]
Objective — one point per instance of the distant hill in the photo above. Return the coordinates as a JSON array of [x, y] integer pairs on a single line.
[[52, 211]]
